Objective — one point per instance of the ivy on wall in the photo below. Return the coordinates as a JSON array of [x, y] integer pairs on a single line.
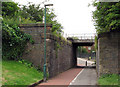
[[13, 41]]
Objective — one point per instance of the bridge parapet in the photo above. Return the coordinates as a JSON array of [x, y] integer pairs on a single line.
[[82, 37], [83, 40]]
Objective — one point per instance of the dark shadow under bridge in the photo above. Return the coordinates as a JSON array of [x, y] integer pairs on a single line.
[[81, 40]]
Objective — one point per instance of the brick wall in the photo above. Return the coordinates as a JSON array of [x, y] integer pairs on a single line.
[[108, 53], [59, 52]]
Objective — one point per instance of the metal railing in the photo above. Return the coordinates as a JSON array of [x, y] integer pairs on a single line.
[[87, 36]]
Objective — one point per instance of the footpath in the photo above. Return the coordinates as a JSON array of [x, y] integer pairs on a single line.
[[75, 77], [87, 76], [62, 80]]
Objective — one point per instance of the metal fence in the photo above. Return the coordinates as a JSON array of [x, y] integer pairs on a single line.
[[86, 36]]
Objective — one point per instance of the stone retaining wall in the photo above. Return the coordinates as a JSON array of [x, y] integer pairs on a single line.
[[108, 53], [58, 51]]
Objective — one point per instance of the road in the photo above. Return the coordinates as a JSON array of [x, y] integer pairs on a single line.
[[82, 62], [85, 77], [75, 77]]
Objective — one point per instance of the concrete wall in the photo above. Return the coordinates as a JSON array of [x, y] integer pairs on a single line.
[[108, 53], [58, 51]]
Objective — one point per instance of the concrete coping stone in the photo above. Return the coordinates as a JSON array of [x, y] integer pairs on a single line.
[[108, 34], [34, 25]]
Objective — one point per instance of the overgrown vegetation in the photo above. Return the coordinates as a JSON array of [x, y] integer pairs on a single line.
[[96, 42], [82, 49], [57, 47], [106, 16], [15, 40], [109, 79]]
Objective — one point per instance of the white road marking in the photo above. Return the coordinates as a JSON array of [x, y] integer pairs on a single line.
[[76, 77]]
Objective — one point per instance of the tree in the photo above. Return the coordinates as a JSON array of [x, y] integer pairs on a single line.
[[36, 13], [50, 18], [9, 8], [14, 40], [82, 49], [32, 12], [56, 26], [106, 16]]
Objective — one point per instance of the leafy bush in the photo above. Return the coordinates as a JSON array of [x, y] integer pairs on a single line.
[[27, 63], [15, 21], [106, 16], [13, 41], [9, 8], [33, 12], [84, 50]]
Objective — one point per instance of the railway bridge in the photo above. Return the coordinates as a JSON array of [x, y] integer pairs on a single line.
[[80, 40]]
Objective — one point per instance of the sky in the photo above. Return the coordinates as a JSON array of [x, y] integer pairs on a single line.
[[74, 15]]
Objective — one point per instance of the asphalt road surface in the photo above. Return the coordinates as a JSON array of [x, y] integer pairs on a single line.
[[87, 76]]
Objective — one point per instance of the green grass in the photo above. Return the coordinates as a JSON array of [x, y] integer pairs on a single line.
[[108, 79], [15, 73], [0, 72]]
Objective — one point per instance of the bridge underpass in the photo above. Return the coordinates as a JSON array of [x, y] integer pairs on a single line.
[[82, 40]]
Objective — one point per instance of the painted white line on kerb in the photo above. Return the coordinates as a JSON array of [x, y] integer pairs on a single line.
[[76, 77]]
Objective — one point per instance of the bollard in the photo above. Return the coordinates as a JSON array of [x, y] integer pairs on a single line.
[[86, 63]]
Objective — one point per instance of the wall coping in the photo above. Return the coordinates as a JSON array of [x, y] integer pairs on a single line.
[[107, 34], [49, 36], [34, 25]]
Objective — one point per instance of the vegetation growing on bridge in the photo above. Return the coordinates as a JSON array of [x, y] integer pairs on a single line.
[[106, 16], [96, 43]]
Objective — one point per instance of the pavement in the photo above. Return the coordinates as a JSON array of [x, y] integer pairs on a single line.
[[63, 79], [75, 77]]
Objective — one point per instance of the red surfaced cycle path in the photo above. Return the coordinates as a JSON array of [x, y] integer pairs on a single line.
[[62, 79]]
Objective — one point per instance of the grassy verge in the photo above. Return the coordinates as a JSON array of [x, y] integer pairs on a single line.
[[0, 72], [15, 73], [109, 80]]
